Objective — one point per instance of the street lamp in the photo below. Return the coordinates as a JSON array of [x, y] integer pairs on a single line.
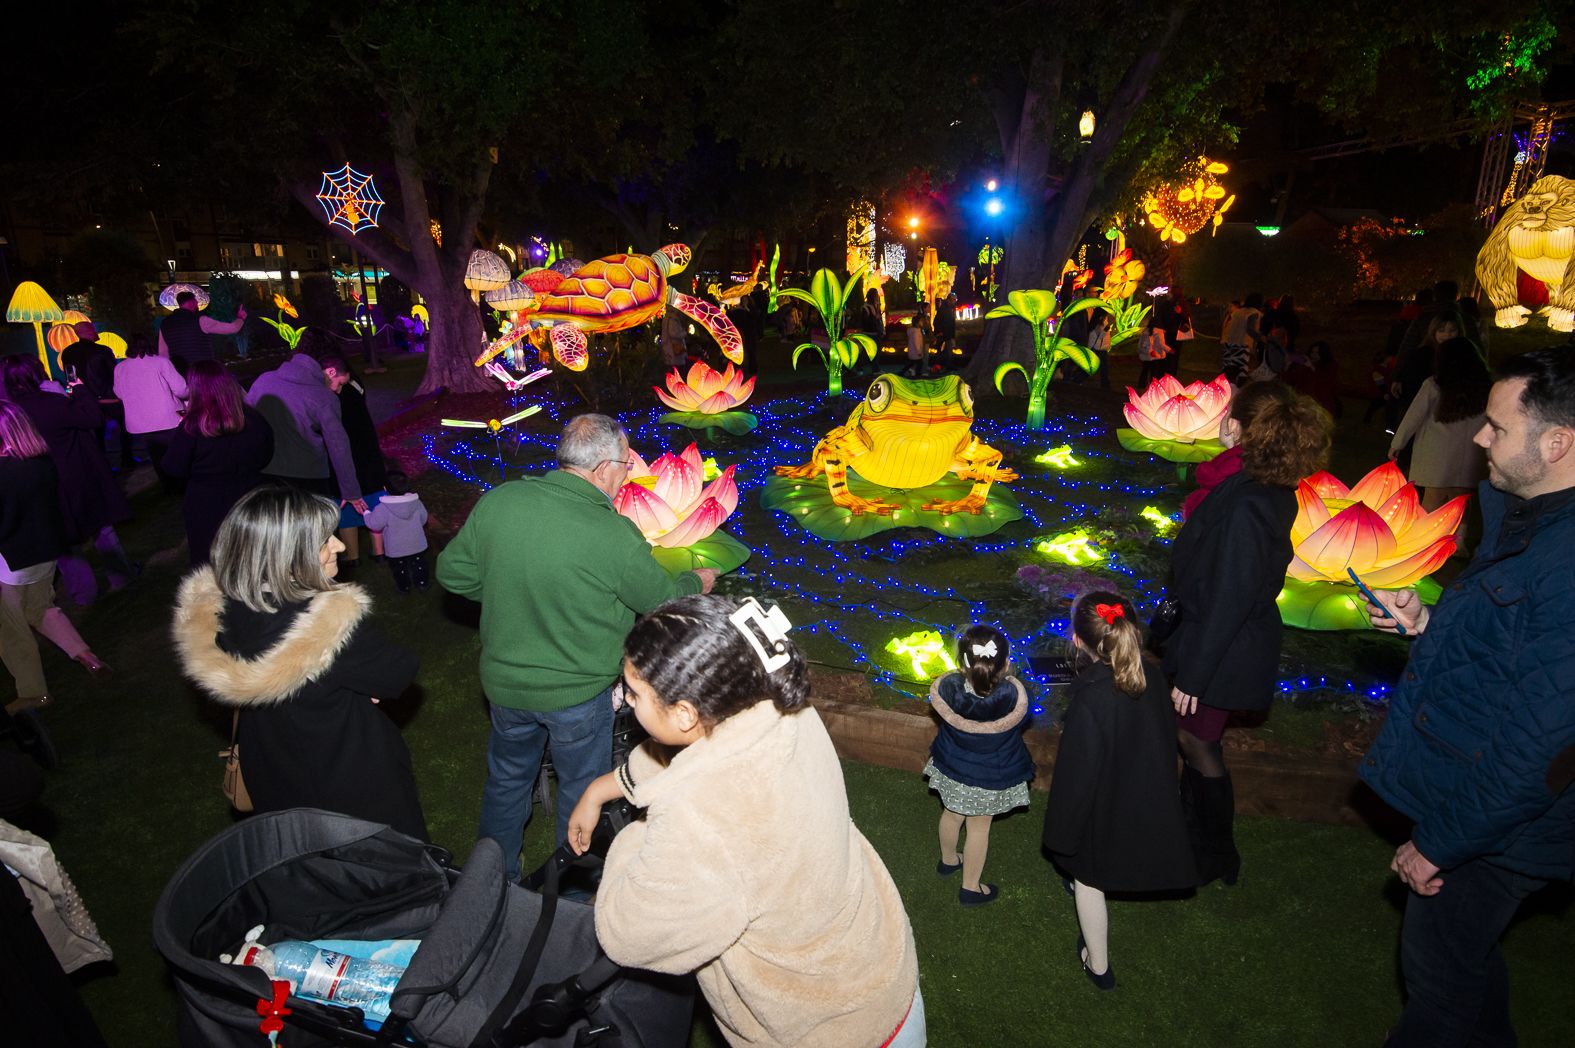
[[993, 206], [991, 185], [1085, 125]]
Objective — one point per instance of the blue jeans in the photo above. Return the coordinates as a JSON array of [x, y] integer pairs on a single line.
[[1457, 984], [580, 738]]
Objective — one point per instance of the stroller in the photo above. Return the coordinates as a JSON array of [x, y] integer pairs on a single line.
[[498, 966]]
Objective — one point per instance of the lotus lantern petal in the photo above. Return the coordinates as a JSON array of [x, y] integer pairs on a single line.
[[1166, 410], [706, 390], [669, 503], [1378, 528]]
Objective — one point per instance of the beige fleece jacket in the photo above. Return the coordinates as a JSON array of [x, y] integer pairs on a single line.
[[749, 872]]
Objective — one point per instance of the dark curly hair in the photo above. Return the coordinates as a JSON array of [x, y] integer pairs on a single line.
[[1284, 435], [689, 649]]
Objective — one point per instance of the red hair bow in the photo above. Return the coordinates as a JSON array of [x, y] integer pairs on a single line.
[[1110, 612]]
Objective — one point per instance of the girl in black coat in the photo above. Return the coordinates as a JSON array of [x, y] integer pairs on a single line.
[[91, 501], [1113, 820], [220, 450], [978, 763], [1227, 567], [267, 631]]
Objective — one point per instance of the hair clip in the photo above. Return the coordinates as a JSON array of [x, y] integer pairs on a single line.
[[985, 649], [773, 625], [1110, 612]]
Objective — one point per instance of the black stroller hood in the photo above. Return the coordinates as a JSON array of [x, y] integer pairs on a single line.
[[308, 874]]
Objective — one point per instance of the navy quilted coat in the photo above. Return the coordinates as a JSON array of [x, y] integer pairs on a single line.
[[980, 742], [1479, 744]]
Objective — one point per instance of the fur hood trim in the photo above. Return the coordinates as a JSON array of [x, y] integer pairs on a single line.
[[305, 652], [1006, 722]]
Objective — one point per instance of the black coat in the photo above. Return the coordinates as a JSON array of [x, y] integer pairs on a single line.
[[1227, 567], [94, 364], [218, 471], [366, 451], [1113, 819], [303, 679], [89, 496], [32, 530]]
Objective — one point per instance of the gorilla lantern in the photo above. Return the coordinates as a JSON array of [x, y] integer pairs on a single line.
[[1535, 235]]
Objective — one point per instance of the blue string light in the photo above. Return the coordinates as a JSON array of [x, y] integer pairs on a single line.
[[832, 583]]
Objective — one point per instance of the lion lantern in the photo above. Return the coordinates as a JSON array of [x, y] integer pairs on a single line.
[[1535, 235]]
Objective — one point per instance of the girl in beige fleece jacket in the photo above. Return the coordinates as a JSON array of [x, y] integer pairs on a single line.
[[748, 869]]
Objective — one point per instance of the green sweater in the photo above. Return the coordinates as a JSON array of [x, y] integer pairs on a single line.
[[560, 576]]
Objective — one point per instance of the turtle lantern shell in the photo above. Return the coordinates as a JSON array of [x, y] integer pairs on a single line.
[[608, 294]]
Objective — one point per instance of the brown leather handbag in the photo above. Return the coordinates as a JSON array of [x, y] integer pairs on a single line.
[[234, 786]]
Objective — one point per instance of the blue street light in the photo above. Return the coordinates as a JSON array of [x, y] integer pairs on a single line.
[[993, 206]]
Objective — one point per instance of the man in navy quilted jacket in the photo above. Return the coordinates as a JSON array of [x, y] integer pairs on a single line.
[[1479, 744]]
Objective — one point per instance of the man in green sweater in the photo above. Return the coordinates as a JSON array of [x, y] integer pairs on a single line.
[[560, 576]]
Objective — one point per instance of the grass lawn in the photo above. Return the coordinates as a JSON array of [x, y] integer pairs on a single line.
[[1301, 953]]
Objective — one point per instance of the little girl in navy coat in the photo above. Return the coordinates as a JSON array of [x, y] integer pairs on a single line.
[[978, 762], [1113, 820]]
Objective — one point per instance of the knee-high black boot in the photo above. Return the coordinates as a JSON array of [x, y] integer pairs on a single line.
[[1214, 801]]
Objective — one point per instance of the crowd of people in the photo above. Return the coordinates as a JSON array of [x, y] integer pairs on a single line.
[[746, 868]]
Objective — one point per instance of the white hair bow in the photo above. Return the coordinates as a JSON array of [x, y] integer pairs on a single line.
[[985, 649]]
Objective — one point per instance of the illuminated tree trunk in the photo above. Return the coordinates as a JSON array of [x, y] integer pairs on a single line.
[[1055, 211]]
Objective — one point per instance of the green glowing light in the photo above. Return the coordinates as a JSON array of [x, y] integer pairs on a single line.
[[710, 469], [1071, 547], [1060, 458], [1162, 523], [927, 651], [1269, 231]]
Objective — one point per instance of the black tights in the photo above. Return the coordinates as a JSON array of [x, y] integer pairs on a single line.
[[1206, 758]]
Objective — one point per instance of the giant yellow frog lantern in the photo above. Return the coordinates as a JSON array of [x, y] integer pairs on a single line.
[[910, 446]]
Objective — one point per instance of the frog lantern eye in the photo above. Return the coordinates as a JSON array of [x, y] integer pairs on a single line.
[[965, 395], [879, 395]]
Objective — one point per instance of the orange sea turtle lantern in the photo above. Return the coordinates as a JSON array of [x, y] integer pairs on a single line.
[[613, 293]]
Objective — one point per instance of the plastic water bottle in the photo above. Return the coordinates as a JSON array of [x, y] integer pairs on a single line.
[[323, 975]]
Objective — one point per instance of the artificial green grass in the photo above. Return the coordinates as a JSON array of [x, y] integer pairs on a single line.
[[1301, 953]]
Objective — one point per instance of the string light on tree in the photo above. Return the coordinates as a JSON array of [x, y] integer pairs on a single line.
[[1181, 208]]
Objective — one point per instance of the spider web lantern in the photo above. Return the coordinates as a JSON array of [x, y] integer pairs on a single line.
[[349, 199]]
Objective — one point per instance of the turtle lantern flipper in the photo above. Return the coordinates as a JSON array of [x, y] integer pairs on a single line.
[[494, 348], [568, 345], [713, 320]]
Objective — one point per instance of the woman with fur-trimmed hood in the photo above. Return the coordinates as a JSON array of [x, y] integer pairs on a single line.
[[267, 631]]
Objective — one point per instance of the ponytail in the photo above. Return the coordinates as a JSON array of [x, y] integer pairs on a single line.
[[1106, 623], [983, 652]]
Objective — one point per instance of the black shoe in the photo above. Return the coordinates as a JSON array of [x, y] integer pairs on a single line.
[[988, 894], [946, 869], [1105, 980]]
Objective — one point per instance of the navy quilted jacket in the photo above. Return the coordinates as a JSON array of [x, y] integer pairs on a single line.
[[1479, 744], [980, 742]]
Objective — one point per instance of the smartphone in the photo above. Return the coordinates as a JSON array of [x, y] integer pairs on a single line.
[[1374, 601]]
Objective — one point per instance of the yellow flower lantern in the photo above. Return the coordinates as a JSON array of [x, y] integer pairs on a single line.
[[1196, 199]]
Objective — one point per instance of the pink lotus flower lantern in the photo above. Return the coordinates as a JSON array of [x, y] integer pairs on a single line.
[[1176, 422], [1378, 528], [708, 399], [667, 502], [1169, 411]]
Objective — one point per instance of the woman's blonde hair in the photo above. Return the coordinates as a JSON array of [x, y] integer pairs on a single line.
[[266, 553], [1107, 625], [18, 437], [1284, 435]]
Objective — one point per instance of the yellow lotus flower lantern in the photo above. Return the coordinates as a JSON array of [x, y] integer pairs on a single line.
[[708, 399], [1176, 422], [674, 509], [1377, 528]]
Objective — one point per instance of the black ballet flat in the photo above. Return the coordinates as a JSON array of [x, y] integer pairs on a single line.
[[1105, 980], [987, 895]]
